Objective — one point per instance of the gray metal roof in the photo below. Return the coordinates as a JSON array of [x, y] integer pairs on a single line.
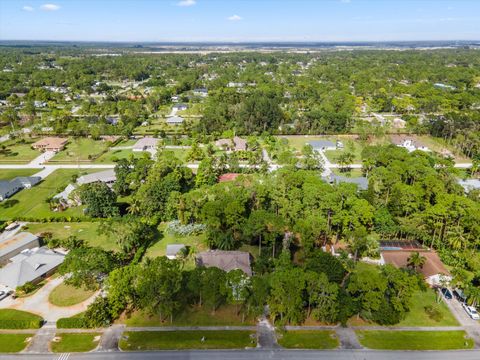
[[105, 176], [175, 120], [6, 187], [469, 184], [319, 144], [17, 241], [28, 180], [29, 265]]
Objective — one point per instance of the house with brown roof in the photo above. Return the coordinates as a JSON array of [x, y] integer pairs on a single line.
[[54, 144], [226, 260], [235, 144], [433, 270]]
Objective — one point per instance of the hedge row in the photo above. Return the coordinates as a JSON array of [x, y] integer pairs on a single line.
[[57, 219], [21, 324], [72, 323]]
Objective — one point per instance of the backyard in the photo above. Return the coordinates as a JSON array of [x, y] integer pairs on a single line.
[[33, 202]]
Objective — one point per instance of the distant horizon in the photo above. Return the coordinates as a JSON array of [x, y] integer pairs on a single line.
[[239, 21]]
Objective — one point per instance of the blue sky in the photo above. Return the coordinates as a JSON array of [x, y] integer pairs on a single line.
[[240, 20]]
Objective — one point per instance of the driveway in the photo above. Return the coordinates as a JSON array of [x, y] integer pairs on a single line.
[[42, 158], [38, 303], [472, 327]]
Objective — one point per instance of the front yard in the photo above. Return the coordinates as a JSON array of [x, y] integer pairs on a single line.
[[12, 343], [180, 340], [80, 149], [67, 295], [17, 151]]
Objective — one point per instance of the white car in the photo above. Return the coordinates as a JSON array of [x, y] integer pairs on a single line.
[[471, 311]]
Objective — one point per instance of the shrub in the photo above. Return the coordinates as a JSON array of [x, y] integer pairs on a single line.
[[72, 323], [177, 228]]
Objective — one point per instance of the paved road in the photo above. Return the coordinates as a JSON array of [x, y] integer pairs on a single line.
[[256, 354], [472, 327]]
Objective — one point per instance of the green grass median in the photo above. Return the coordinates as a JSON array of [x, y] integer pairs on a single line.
[[82, 342], [414, 340], [179, 340], [12, 343], [309, 339]]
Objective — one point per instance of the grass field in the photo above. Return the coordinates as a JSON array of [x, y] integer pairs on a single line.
[[309, 339], [84, 230], [9, 174], [12, 314], [417, 315], [177, 340], [67, 295], [12, 343], [32, 202], [79, 149], [75, 342], [194, 316], [18, 152], [110, 156], [414, 340]]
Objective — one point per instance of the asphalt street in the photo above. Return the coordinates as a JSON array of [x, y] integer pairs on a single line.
[[260, 355]]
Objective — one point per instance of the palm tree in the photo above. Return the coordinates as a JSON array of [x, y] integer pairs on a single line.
[[134, 207], [473, 295], [416, 261]]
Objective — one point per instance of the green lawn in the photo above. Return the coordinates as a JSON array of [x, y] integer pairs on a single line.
[[79, 149], [414, 340], [177, 340], [12, 314], [67, 295], [110, 156], [159, 248], [309, 339], [417, 315], [194, 316], [84, 230], [32, 202], [9, 174], [18, 151], [75, 342], [351, 173], [12, 343]]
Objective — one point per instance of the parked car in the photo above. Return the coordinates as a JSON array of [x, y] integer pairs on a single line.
[[471, 311], [4, 294], [459, 295], [447, 294]]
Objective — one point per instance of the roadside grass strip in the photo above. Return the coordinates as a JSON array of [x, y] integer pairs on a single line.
[[180, 340], [414, 340], [66, 343], [12, 343], [309, 339], [17, 319]]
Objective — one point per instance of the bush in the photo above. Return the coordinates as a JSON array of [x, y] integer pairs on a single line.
[[178, 229], [20, 324], [433, 313], [72, 323], [98, 313], [26, 288]]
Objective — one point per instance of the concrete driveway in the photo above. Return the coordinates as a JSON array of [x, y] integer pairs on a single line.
[[38, 303], [472, 327]]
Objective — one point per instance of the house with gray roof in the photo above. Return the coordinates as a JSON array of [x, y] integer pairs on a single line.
[[106, 176], [9, 188], [175, 120], [321, 145], [226, 260], [30, 265], [145, 144], [180, 107], [12, 246]]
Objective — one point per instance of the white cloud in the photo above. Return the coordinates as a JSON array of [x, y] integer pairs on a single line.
[[27, 8], [186, 3], [235, 18], [49, 7]]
